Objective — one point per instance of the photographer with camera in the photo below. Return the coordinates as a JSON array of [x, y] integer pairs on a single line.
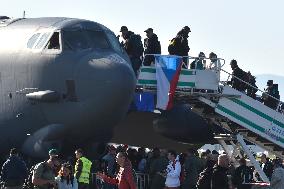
[[65, 178], [44, 173]]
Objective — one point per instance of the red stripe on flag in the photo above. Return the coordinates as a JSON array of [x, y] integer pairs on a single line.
[[173, 86]]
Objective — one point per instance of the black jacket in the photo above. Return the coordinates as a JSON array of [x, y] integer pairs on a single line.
[[183, 49], [179, 45], [127, 45], [236, 83], [14, 169], [204, 180], [219, 178], [268, 169], [152, 45], [243, 174]]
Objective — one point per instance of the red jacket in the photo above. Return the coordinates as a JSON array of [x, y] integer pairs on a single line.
[[124, 178]]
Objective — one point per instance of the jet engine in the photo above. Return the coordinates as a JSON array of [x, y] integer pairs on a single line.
[[183, 125]]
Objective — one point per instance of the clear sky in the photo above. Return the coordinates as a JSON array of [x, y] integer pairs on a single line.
[[250, 31]]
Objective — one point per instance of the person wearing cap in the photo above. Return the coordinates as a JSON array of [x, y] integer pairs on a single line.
[[82, 169], [53, 153], [133, 47], [14, 171], [152, 46], [110, 165], [198, 63], [179, 45], [277, 178], [272, 90], [44, 173]]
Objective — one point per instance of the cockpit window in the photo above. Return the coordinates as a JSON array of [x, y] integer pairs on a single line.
[[42, 41], [75, 40], [54, 41], [114, 42], [32, 40], [85, 39], [98, 39]]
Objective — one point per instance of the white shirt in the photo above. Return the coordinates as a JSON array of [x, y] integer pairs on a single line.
[[173, 174]]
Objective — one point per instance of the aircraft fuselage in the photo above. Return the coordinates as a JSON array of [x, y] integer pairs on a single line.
[[61, 79]]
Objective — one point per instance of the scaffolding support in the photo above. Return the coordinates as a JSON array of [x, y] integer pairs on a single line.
[[256, 165]]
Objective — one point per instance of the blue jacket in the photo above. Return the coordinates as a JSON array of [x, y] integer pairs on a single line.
[[14, 169]]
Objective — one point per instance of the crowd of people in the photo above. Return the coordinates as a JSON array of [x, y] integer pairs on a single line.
[[166, 169], [241, 80], [118, 169], [246, 83], [48, 174]]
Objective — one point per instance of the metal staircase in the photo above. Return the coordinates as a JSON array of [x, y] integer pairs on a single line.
[[219, 103]]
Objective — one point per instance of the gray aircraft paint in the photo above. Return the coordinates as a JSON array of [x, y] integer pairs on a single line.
[[89, 89]]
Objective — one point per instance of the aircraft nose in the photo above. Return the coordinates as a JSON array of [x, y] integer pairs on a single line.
[[105, 88]]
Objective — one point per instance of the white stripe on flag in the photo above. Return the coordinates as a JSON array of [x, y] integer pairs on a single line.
[[163, 87]]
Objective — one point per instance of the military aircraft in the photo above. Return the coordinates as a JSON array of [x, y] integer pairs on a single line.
[[64, 82], [67, 83]]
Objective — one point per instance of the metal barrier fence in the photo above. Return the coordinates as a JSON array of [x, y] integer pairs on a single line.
[[142, 181]]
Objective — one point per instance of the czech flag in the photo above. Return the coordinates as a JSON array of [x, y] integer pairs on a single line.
[[168, 69]]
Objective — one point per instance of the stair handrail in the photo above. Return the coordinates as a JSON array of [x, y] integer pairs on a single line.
[[279, 101]]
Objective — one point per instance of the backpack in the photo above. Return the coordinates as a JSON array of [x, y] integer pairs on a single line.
[[174, 46], [28, 184], [136, 44]]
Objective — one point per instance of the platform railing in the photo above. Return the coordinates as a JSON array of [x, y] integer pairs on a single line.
[[216, 67]]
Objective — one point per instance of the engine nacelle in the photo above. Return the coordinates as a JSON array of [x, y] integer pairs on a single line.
[[46, 138], [183, 125]]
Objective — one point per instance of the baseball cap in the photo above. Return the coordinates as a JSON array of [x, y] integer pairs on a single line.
[[53, 152], [149, 30], [186, 28]]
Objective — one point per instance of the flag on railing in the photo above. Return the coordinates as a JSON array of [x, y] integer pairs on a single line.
[[167, 73]]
